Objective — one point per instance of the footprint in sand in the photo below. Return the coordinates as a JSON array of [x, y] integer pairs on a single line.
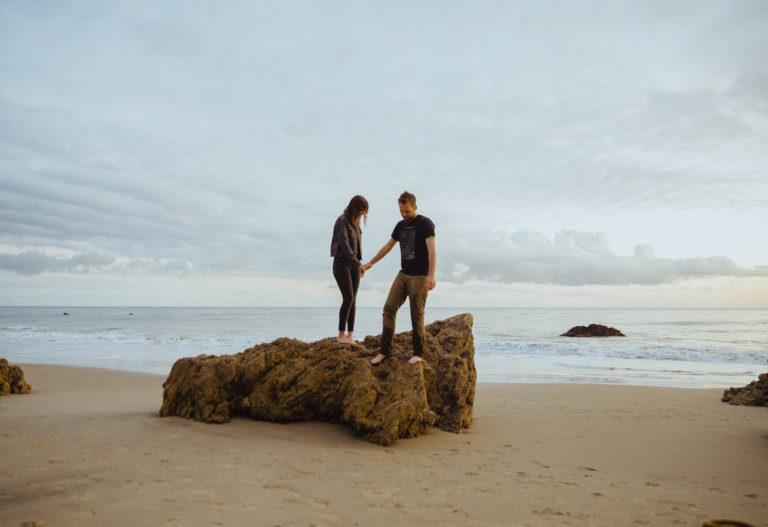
[[278, 486]]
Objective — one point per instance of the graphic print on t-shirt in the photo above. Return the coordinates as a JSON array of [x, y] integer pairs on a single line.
[[408, 242]]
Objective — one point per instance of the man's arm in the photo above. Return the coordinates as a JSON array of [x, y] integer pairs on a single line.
[[431, 282], [382, 253]]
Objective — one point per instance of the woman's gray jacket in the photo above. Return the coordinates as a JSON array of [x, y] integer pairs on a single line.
[[345, 244]]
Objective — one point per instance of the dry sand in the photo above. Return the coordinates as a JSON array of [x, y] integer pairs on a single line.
[[87, 447]]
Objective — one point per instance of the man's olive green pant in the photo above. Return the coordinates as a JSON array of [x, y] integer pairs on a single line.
[[415, 289]]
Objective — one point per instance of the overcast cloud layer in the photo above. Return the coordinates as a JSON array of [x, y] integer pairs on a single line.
[[567, 143]]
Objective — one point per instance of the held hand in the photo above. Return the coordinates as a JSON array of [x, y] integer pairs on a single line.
[[431, 283]]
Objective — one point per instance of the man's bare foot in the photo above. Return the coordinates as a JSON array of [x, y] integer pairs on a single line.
[[414, 360], [378, 358]]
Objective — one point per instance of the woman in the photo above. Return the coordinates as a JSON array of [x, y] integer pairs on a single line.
[[347, 269]]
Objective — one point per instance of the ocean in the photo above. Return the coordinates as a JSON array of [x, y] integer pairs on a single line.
[[695, 348]]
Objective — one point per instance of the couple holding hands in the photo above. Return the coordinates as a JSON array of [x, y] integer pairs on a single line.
[[416, 236]]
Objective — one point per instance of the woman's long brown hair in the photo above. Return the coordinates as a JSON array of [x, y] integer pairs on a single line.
[[358, 205]]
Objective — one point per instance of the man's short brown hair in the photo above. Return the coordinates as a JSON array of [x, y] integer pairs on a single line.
[[407, 197]]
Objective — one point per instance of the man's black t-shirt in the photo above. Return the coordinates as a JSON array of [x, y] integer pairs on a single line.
[[412, 235]]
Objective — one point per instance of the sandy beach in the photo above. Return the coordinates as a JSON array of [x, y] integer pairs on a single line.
[[87, 447]]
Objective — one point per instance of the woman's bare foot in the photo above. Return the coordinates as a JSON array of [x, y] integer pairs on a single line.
[[415, 360], [378, 358], [342, 338]]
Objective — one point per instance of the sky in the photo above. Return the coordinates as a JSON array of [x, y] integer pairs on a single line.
[[571, 154]]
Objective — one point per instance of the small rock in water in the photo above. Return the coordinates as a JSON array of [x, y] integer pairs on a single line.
[[593, 330]]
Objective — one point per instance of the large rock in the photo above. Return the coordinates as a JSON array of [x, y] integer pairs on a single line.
[[12, 379], [593, 330], [753, 394], [290, 380]]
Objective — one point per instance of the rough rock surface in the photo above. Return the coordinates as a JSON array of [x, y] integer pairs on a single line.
[[290, 380], [593, 330], [753, 394], [12, 379]]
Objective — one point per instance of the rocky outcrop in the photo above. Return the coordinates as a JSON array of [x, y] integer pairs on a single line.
[[290, 380], [12, 379], [753, 394], [593, 330]]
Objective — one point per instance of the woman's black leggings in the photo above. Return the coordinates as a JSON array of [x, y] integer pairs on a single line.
[[348, 279]]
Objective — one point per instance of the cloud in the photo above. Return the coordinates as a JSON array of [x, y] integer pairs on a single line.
[[157, 266], [571, 258], [227, 140], [35, 262]]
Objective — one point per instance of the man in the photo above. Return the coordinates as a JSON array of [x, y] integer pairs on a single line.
[[416, 236]]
